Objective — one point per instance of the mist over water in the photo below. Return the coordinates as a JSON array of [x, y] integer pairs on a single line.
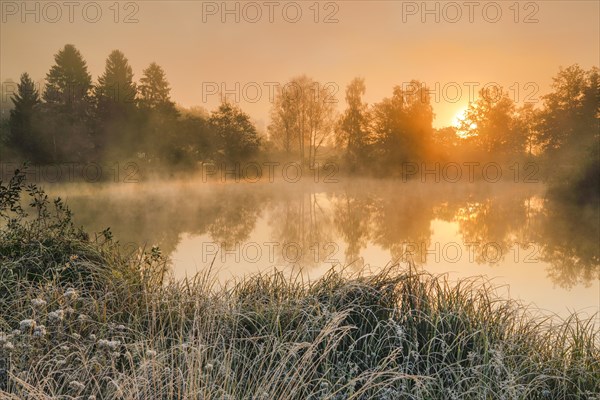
[[544, 252]]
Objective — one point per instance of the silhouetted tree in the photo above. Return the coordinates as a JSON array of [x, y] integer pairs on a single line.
[[67, 105], [491, 124], [570, 116], [116, 90], [402, 126], [302, 118], [446, 143], [22, 135], [283, 129], [238, 136], [158, 114], [68, 82], [155, 90], [527, 123], [352, 132], [6, 104], [569, 131], [195, 140], [115, 101]]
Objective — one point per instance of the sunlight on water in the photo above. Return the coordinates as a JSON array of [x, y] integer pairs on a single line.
[[506, 232]]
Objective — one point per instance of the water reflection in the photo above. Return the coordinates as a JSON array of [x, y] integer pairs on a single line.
[[569, 237], [311, 225], [301, 228]]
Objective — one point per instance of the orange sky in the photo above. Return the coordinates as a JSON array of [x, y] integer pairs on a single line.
[[386, 42]]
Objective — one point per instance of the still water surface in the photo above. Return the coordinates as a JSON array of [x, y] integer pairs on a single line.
[[541, 251]]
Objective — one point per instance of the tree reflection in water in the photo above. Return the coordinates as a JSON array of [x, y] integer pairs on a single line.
[[338, 222]]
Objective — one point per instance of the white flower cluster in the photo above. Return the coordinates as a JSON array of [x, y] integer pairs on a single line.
[[56, 316], [27, 325], [38, 303], [5, 342], [71, 294], [76, 386], [109, 345], [39, 331]]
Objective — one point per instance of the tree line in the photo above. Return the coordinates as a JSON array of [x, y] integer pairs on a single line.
[[75, 119]]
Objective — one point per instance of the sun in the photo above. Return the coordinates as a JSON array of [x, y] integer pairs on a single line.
[[458, 120], [459, 117]]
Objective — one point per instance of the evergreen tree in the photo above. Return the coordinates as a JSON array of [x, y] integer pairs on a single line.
[[68, 82], [6, 104], [159, 116], [66, 112], [155, 90], [22, 136], [115, 92], [115, 105]]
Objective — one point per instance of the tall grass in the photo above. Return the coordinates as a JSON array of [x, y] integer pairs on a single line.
[[93, 323]]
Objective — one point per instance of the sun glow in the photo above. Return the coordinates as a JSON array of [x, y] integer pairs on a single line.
[[459, 117], [458, 121]]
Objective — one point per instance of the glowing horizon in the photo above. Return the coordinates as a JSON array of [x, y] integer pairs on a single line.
[[392, 46]]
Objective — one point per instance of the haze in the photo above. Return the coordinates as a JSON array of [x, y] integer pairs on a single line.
[[385, 42]]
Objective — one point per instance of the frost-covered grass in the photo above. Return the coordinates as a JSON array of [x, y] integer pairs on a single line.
[[394, 335], [90, 322]]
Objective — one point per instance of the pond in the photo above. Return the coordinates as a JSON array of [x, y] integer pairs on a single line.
[[536, 249]]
